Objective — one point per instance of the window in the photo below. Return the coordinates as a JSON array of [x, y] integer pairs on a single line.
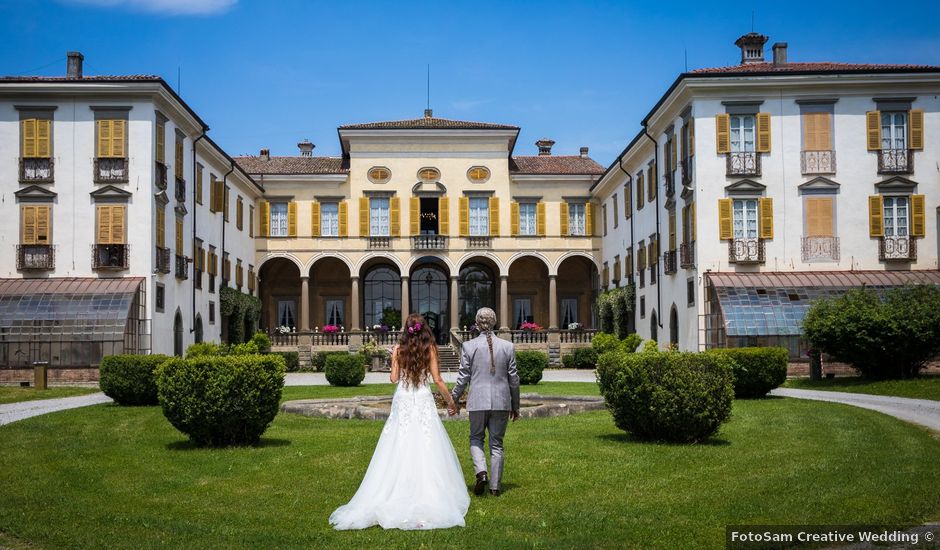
[[817, 131], [211, 313], [742, 133], [215, 200], [895, 216], [616, 216], [379, 217], [178, 161], [651, 184], [251, 221], [640, 191], [576, 221], [522, 311], [381, 292], [893, 130], [528, 218], [479, 216], [569, 311], [199, 170], [278, 219], [36, 226], [159, 296], [818, 220], [329, 219], [690, 292], [36, 138], [286, 313], [642, 307], [239, 273], [239, 213], [379, 174], [604, 218], [429, 175], [745, 218], [110, 225], [161, 139], [478, 174], [111, 136], [334, 311], [627, 196], [225, 203]]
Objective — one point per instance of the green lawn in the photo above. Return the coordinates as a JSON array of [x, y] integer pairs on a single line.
[[14, 394], [107, 476], [925, 387], [324, 392]]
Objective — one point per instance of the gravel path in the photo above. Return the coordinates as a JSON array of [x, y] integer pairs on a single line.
[[549, 375], [26, 409], [924, 412]]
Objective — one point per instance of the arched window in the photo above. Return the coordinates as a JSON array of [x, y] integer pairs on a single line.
[[178, 334], [654, 334], [382, 291], [197, 333], [476, 288], [674, 326]]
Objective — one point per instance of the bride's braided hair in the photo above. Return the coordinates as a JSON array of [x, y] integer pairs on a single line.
[[486, 320], [415, 349]]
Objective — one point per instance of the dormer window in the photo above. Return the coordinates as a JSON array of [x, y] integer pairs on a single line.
[[429, 175]]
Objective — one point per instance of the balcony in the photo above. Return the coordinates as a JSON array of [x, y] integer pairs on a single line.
[[110, 256], [743, 163], [429, 242], [161, 176], [163, 259], [180, 189], [816, 249], [479, 242], [36, 170], [111, 170], [669, 262], [746, 251], [897, 249], [686, 171], [818, 162], [35, 256], [182, 263], [380, 243], [895, 161], [687, 255]]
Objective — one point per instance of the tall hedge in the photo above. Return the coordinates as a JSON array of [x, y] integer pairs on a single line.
[[756, 370], [221, 400], [130, 379]]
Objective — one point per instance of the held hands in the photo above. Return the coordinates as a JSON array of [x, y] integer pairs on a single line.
[[453, 408]]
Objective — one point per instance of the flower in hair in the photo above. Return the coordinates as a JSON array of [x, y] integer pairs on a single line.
[[414, 329]]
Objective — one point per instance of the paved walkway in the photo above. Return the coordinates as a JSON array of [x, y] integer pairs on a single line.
[[549, 375], [924, 412], [26, 409]]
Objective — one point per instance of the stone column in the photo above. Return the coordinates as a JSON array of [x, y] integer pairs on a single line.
[[354, 304], [452, 305], [504, 302], [552, 302], [304, 305], [405, 298]]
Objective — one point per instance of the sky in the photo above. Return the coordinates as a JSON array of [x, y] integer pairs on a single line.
[[268, 74]]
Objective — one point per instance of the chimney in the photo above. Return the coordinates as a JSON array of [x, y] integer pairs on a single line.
[[428, 113], [584, 152], [545, 146], [780, 54], [752, 47], [74, 64], [306, 148], [265, 154]]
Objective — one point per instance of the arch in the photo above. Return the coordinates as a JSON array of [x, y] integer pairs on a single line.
[[197, 329], [654, 327], [381, 294], [328, 255], [528, 289], [531, 254], [178, 333], [501, 270], [281, 255], [430, 296], [674, 325], [415, 261], [279, 291], [576, 287], [375, 257], [577, 253], [477, 286]]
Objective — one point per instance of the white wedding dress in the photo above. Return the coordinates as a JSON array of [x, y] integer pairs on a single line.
[[414, 480]]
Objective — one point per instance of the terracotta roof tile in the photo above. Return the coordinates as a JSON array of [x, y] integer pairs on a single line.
[[97, 78], [555, 164], [824, 66], [428, 123], [292, 165]]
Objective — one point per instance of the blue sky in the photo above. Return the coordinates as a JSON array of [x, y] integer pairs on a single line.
[[271, 73]]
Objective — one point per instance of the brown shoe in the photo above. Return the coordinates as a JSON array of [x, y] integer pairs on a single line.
[[480, 484]]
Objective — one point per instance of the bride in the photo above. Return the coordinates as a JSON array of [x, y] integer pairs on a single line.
[[414, 480]]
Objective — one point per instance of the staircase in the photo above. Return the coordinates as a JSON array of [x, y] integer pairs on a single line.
[[448, 359]]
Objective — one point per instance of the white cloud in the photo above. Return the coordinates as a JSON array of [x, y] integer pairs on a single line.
[[164, 7]]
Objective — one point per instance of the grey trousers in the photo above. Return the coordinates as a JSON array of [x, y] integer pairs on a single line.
[[495, 423]]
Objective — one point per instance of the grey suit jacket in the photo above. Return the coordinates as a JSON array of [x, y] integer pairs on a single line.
[[489, 391]]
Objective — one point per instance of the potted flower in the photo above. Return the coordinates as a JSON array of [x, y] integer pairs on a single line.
[[575, 326], [530, 327], [330, 329], [375, 353]]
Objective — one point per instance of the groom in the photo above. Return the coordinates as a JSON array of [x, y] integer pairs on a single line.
[[489, 364]]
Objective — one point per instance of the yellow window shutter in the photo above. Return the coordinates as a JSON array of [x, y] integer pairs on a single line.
[[589, 219], [692, 220], [43, 225], [824, 131], [291, 219], [161, 227], [513, 218], [672, 229], [915, 128], [873, 131], [763, 132], [685, 220], [118, 134], [809, 132], [414, 215], [264, 211], [876, 221], [443, 216], [673, 155], [28, 134], [225, 205], [766, 212], [640, 190], [394, 216], [43, 135], [363, 216], [725, 226], [692, 136], [540, 218], [199, 185], [628, 263], [563, 218], [343, 218], [494, 217], [918, 216], [315, 219], [28, 217], [161, 143], [723, 133], [179, 237], [178, 158], [239, 213], [627, 197], [464, 220], [103, 231], [104, 138], [118, 226]]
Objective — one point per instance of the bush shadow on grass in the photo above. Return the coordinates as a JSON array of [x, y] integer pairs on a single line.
[[190, 445], [630, 438]]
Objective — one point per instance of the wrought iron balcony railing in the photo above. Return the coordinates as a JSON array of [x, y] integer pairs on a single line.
[[161, 176], [111, 170], [746, 251], [743, 163], [182, 264], [36, 170], [820, 249], [479, 242], [110, 256], [895, 161], [687, 255], [897, 249], [818, 162], [669, 262], [35, 256], [180, 190], [429, 242], [380, 243], [686, 164], [163, 259]]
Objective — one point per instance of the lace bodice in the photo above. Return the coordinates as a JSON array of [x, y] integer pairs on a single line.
[[412, 407]]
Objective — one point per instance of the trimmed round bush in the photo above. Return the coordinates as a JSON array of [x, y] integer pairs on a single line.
[[130, 379], [604, 342], [680, 397], [318, 359], [530, 365], [221, 400], [580, 358], [346, 369], [756, 370], [291, 360]]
